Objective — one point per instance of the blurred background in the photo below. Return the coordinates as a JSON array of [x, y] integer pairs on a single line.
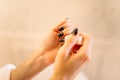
[[23, 23]]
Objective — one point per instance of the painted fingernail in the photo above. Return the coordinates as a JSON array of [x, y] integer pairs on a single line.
[[61, 28], [75, 31], [60, 34], [62, 40]]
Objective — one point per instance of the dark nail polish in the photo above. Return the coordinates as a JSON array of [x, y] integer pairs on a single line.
[[75, 31], [60, 34], [61, 40], [61, 28]]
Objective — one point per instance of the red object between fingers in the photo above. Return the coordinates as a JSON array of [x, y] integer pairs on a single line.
[[75, 48]]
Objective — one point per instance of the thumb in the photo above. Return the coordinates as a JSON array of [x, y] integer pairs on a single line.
[[70, 41]]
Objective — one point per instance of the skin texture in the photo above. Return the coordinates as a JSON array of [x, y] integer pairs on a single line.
[[44, 56], [67, 66]]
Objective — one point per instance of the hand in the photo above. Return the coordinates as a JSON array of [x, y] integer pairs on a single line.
[[45, 55], [51, 44], [67, 66]]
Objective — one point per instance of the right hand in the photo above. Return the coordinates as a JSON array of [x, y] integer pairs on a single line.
[[67, 66]]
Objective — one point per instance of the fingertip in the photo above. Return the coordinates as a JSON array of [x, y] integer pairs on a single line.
[[87, 43], [58, 25], [80, 40], [84, 35]]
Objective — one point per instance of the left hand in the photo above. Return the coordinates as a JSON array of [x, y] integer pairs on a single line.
[[45, 55], [51, 43]]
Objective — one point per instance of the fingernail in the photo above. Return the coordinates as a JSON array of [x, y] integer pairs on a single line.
[[61, 40], [61, 28], [60, 34], [67, 18], [75, 31], [80, 40]]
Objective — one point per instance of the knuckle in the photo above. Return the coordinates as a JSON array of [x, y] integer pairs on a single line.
[[86, 35]]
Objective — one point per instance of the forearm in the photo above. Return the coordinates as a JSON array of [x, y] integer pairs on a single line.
[[29, 68], [60, 77]]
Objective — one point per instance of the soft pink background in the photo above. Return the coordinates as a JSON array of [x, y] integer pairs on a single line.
[[23, 24]]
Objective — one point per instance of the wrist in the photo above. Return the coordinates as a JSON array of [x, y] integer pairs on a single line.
[[29, 68], [45, 55], [60, 77], [12, 75]]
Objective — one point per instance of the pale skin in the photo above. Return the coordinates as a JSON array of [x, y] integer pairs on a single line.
[[50, 53], [44, 56], [66, 65]]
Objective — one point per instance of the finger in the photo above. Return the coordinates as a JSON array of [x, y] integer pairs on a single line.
[[61, 26], [87, 42], [70, 41], [65, 32], [85, 50], [80, 40]]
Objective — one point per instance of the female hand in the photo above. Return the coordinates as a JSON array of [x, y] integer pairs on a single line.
[[45, 55], [66, 65], [52, 43]]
